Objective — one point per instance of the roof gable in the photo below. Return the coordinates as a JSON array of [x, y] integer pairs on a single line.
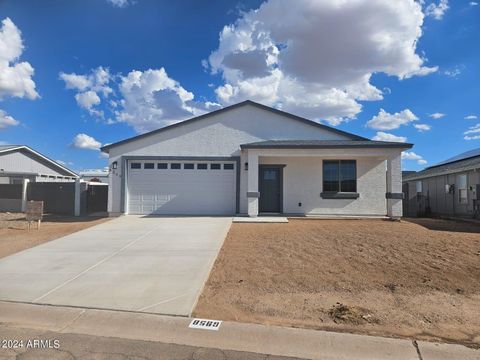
[[235, 106], [34, 154]]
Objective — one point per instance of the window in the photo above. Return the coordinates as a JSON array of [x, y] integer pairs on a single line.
[[188, 166], [418, 187], [339, 176], [214, 166], [462, 189], [162, 166], [149, 166], [227, 166], [175, 166], [135, 166], [202, 166]]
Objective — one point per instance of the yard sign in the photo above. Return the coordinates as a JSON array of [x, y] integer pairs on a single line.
[[34, 212]]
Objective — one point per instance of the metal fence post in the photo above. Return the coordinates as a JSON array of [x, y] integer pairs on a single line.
[[24, 194], [77, 197]]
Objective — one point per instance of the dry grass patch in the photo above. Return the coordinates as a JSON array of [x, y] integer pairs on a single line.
[[418, 278]]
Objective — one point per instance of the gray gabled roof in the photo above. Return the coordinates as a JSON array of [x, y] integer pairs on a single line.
[[231, 107], [9, 148], [462, 156], [323, 144], [450, 168]]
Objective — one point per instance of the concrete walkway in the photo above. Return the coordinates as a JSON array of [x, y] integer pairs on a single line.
[[260, 339], [135, 263]]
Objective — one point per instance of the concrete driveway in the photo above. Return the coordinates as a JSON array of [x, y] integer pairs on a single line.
[[136, 263]]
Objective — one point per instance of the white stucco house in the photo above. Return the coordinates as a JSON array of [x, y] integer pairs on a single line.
[[252, 159], [19, 162]]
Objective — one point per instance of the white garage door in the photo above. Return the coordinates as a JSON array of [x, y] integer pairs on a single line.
[[181, 188]]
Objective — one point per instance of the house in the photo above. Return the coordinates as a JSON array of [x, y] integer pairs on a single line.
[[18, 162], [449, 188], [249, 159], [94, 175]]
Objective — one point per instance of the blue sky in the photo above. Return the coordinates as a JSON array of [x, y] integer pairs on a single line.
[[104, 70]]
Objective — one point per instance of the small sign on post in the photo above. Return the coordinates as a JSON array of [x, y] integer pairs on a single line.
[[34, 212]]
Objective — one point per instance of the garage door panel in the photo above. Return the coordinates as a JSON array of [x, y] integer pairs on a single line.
[[181, 191]]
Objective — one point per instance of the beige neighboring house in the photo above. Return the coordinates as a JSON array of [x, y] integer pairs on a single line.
[[252, 159], [19, 162]]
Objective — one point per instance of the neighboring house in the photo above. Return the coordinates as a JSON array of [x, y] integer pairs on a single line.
[[449, 188], [249, 159], [94, 176], [18, 162]]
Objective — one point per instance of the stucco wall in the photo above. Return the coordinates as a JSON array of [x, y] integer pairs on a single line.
[[303, 180]]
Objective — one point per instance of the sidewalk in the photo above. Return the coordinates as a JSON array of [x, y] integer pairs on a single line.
[[260, 339]]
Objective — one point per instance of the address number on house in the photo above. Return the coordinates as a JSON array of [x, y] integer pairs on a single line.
[[205, 324]]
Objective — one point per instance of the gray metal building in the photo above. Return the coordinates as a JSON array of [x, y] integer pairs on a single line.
[[449, 188]]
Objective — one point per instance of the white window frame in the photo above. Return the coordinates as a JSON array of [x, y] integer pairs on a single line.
[[462, 186]]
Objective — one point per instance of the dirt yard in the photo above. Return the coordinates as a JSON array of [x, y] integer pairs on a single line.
[[15, 235], [418, 278]]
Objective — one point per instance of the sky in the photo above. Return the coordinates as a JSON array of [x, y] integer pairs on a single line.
[[79, 74]]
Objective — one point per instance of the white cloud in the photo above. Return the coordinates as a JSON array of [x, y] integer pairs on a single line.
[[422, 127], [76, 82], [437, 10], [387, 121], [473, 3], [64, 163], [410, 155], [437, 115], [87, 99], [6, 120], [15, 77], [471, 117], [151, 99], [454, 72], [120, 3], [473, 132], [383, 136], [84, 141], [318, 60], [89, 87]]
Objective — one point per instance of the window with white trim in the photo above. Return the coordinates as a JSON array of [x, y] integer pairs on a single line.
[[462, 189]]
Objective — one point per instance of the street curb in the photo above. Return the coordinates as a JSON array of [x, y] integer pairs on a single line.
[[273, 340]]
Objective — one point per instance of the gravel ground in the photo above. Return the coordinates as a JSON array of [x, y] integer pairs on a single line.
[[417, 278], [15, 235]]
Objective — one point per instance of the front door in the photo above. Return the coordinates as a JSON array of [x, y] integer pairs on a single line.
[[270, 186]]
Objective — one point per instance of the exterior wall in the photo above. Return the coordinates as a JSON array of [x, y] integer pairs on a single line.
[[22, 161], [302, 183], [434, 200], [218, 135]]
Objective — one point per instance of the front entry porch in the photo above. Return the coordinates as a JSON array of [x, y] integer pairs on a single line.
[[323, 182]]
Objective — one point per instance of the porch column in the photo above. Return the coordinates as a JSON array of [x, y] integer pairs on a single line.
[[77, 197], [24, 194], [394, 187], [252, 184]]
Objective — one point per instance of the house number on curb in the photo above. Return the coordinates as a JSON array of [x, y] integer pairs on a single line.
[[205, 324]]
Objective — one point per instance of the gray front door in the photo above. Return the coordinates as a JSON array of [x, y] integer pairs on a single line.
[[270, 186]]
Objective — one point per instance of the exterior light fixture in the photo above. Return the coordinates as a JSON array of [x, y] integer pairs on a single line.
[[246, 166], [114, 165]]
